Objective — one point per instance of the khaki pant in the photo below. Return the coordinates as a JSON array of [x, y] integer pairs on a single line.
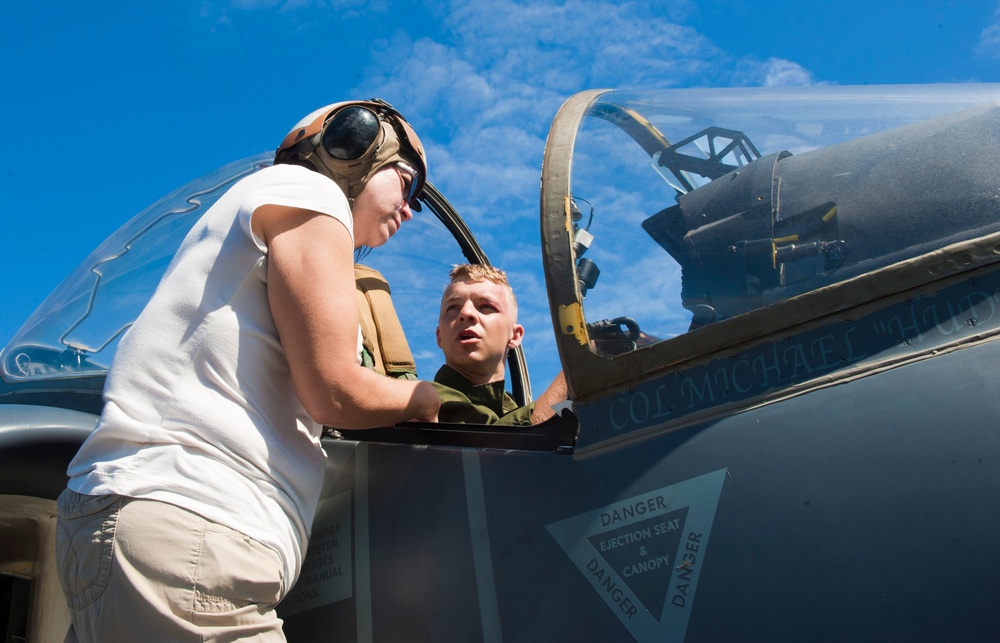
[[142, 570]]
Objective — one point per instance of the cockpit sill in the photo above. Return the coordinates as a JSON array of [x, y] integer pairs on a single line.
[[79, 393], [556, 435]]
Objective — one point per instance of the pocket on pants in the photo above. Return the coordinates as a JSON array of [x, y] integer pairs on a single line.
[[85, 540], [235, 572]]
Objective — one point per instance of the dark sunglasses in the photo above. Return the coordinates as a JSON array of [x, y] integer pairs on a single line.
[[414, 176]]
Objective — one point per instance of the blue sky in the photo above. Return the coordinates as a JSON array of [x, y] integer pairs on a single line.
[[108, 106]]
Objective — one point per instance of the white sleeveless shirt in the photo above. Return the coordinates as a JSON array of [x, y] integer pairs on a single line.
[[200, 410]]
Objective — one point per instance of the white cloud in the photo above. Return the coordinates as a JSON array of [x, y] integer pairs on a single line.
[[488, 89], [563, 45], [773, 72], [483, 94], [779, 72], [989, 39]]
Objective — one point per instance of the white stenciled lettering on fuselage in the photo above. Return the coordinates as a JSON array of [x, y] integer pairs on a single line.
[[686, 571], [615, 592], [920, 324]]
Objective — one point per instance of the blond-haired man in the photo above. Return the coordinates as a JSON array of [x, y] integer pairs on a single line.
[[477, 326]]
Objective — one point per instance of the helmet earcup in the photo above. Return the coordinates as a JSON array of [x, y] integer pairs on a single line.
[[350, 133]]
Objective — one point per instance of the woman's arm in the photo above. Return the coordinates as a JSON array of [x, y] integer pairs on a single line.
[[311, 292]]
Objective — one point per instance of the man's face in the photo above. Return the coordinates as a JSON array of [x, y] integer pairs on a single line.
[[476, 328]]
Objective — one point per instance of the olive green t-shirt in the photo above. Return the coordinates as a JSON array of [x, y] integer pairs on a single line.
[[468, 403]]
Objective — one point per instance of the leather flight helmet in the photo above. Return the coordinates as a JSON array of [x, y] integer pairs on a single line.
[[351, 141]]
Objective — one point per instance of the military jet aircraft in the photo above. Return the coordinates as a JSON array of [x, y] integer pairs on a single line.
[[777, 311]]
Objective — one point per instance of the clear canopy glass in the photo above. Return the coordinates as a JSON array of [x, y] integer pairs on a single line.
[[690, 207]]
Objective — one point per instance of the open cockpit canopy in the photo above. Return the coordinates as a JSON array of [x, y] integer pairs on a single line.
[[76, 329], [676, 211]]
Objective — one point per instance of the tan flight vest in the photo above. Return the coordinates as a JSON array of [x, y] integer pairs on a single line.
[[381, 331]]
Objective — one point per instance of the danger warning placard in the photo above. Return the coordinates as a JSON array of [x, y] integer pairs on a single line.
[[643, 555]]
